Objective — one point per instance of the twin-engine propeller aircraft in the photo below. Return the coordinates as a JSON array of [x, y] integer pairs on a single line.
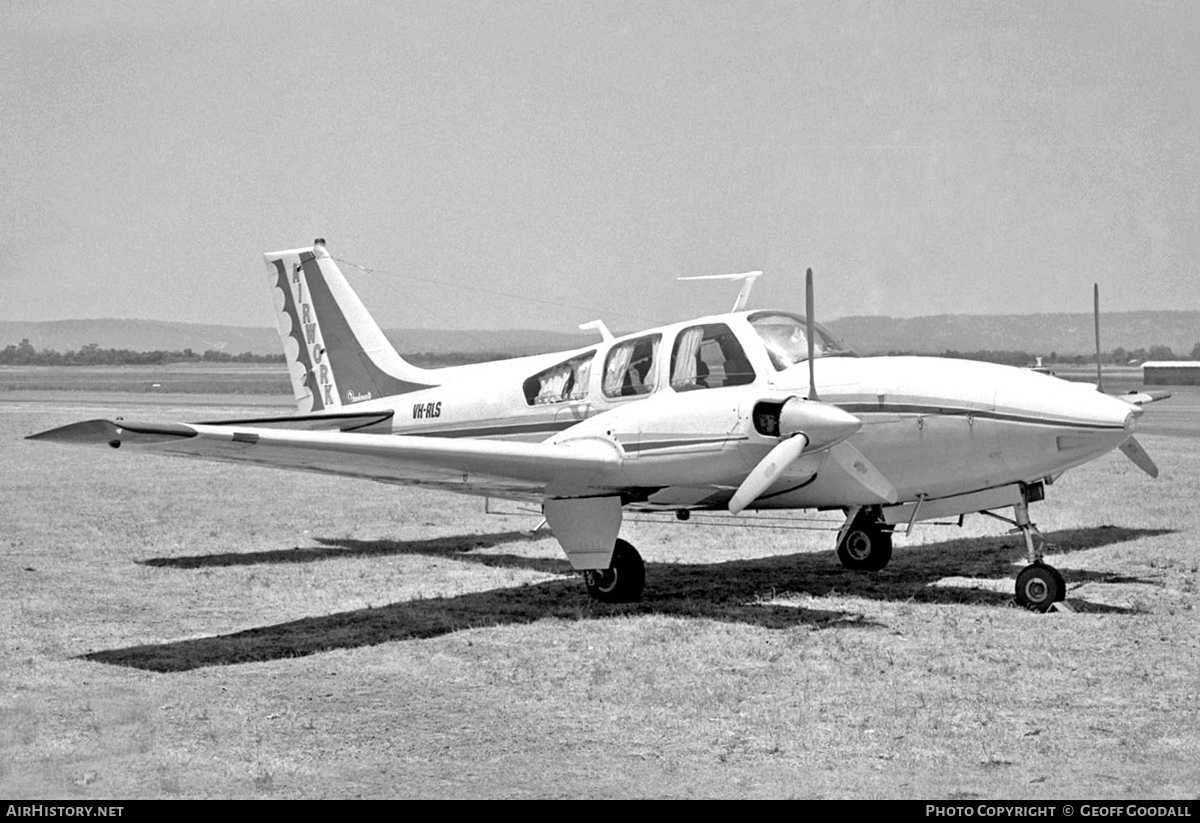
[[744, 410]]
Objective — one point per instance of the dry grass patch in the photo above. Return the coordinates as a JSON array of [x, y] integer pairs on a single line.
[[175, 629]]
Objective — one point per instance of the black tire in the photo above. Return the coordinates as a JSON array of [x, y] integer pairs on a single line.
[[623, 580], [1039, 587], [866, 547], [1062, 585]]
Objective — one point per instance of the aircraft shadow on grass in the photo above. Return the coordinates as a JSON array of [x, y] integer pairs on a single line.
[[739, 591], [450, 546]]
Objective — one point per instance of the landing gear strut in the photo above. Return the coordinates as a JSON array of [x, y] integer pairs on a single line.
[[865, 546], [1039, 586], [622, 581]]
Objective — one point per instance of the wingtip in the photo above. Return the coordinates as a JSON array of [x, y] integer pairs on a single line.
[[108, 432], [86, 431]]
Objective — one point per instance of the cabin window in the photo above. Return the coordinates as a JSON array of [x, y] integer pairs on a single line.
[[629, 370], [709, 357], [563, 383], [786, 340]]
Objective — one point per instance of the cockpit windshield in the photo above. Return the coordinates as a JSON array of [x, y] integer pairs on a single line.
[[787, 342]]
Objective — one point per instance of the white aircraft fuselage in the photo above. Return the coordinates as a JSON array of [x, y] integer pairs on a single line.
[[935, 427]]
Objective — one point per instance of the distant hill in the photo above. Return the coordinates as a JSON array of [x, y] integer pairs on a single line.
[[140, 335], [156, 335], [1065, 334]]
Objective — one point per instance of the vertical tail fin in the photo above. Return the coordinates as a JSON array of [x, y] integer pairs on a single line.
[[336, 353]]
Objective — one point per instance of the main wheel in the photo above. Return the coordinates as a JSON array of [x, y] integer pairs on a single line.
[[1039, 587], [866, 547], [622, 581]]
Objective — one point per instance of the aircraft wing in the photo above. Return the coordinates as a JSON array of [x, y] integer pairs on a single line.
[[1141, 398], [468, 465]]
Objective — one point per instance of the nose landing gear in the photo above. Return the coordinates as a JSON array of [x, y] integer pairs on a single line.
[[1039, 586]]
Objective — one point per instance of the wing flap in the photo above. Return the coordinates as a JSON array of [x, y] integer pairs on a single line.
[[336, 421]]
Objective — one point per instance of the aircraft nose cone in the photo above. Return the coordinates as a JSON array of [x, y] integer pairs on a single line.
[[1106, 411], [823, 424]]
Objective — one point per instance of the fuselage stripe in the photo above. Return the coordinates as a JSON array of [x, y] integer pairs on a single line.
[[542, 427], [986, 414], [550, 427], [657, 445]]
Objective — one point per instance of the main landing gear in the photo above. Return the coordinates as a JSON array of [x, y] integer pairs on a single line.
[[622, 581], [866, 544]]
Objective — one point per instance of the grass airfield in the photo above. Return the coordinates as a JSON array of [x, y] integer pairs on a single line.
[[176, 629]]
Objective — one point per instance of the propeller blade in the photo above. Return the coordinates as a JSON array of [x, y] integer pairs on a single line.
[[1096, 316], [802, 423], [767, 472], [1134, 451], [808, 320], [861, 469]]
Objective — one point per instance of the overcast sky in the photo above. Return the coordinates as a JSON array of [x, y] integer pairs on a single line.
[[540, 164]]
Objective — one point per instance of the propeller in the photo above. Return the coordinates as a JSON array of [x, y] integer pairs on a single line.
[[804, 425], [1131, 448]]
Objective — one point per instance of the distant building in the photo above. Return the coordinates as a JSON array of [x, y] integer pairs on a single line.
[[1171, 373]]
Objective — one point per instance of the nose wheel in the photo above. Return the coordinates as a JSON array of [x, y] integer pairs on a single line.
[[1039, 587]]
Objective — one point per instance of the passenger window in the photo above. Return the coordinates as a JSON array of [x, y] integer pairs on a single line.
[[629, 370], [709, 357], [560, 384]]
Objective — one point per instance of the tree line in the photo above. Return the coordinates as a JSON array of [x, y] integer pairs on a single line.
[[24, 354], [1120, 356]]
